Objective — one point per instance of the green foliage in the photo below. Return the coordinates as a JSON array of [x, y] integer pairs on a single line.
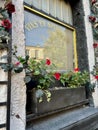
[[74, 79], [94, 72], [7, 67], [40, 93], [92, 87], [4, 33], [4, 13], [38, 71], [94, 13]]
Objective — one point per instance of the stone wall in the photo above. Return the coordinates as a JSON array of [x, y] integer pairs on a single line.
[[18, 89], [89, 34], [79, 23]]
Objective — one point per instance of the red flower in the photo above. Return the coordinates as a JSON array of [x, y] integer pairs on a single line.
[[92, 18], [10, 7], [96, 77], [76, 69], [17, 63], [57, 76], [95, 45], [6, 23], [93, 1], [48, 62]]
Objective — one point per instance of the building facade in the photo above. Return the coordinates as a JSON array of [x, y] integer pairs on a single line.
[[55, 29]]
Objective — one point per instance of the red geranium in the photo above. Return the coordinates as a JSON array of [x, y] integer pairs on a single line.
[[95, 45], [10, 7], [6, 23], [93, 1], [57, 75], [76, 69], [48, 62], [17, 63], [96, 77], [92, 18]]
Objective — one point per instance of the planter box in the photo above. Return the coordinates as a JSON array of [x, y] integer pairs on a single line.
[[61, 98]]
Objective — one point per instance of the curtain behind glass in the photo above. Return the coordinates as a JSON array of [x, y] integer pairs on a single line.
[[57, 8]]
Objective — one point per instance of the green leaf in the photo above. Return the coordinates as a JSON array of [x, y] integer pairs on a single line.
[[48, 99], [39, 93], [7, 67], [4, 14], [22, 60], [27, 79], [37, 72], [27, 57], [18, 69], [40, 100]]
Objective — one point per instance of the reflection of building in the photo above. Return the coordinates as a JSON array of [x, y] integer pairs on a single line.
[[35, 52]]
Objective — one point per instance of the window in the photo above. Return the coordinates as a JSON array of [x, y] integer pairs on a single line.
[[48, 35], [50, 39]]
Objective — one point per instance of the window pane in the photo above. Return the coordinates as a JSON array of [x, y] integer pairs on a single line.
[[70, 21], [52, 7], [57, 8], [28, 2], [36, 3], [45, 5], [65, 12], [46, 39]]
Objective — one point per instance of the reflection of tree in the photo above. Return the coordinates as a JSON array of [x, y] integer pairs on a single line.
[[55, 48]]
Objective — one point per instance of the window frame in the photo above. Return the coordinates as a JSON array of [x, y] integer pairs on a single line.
[[51, 18], [75, 60]]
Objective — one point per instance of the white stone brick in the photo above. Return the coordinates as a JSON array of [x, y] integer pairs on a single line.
[[2, 3], [3, 75], [3, 114], [3, 129], [3, 93]]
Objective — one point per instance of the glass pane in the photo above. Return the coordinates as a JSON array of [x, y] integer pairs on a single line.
[[65, 11], [28, 2], [52, 7], [58, 9], [46, 39], [70, 20], [36, 3], [45, 5]]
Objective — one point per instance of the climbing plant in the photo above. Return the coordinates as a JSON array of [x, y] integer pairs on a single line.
[[93, 18], [5, 23]]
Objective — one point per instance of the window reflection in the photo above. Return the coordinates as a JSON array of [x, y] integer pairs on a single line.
[[46, 39]]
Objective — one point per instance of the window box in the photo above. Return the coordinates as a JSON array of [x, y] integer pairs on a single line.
[[62, 98]]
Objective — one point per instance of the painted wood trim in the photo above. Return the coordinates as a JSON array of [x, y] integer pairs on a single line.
[[2, 125], [3, 103], [3, 82]]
